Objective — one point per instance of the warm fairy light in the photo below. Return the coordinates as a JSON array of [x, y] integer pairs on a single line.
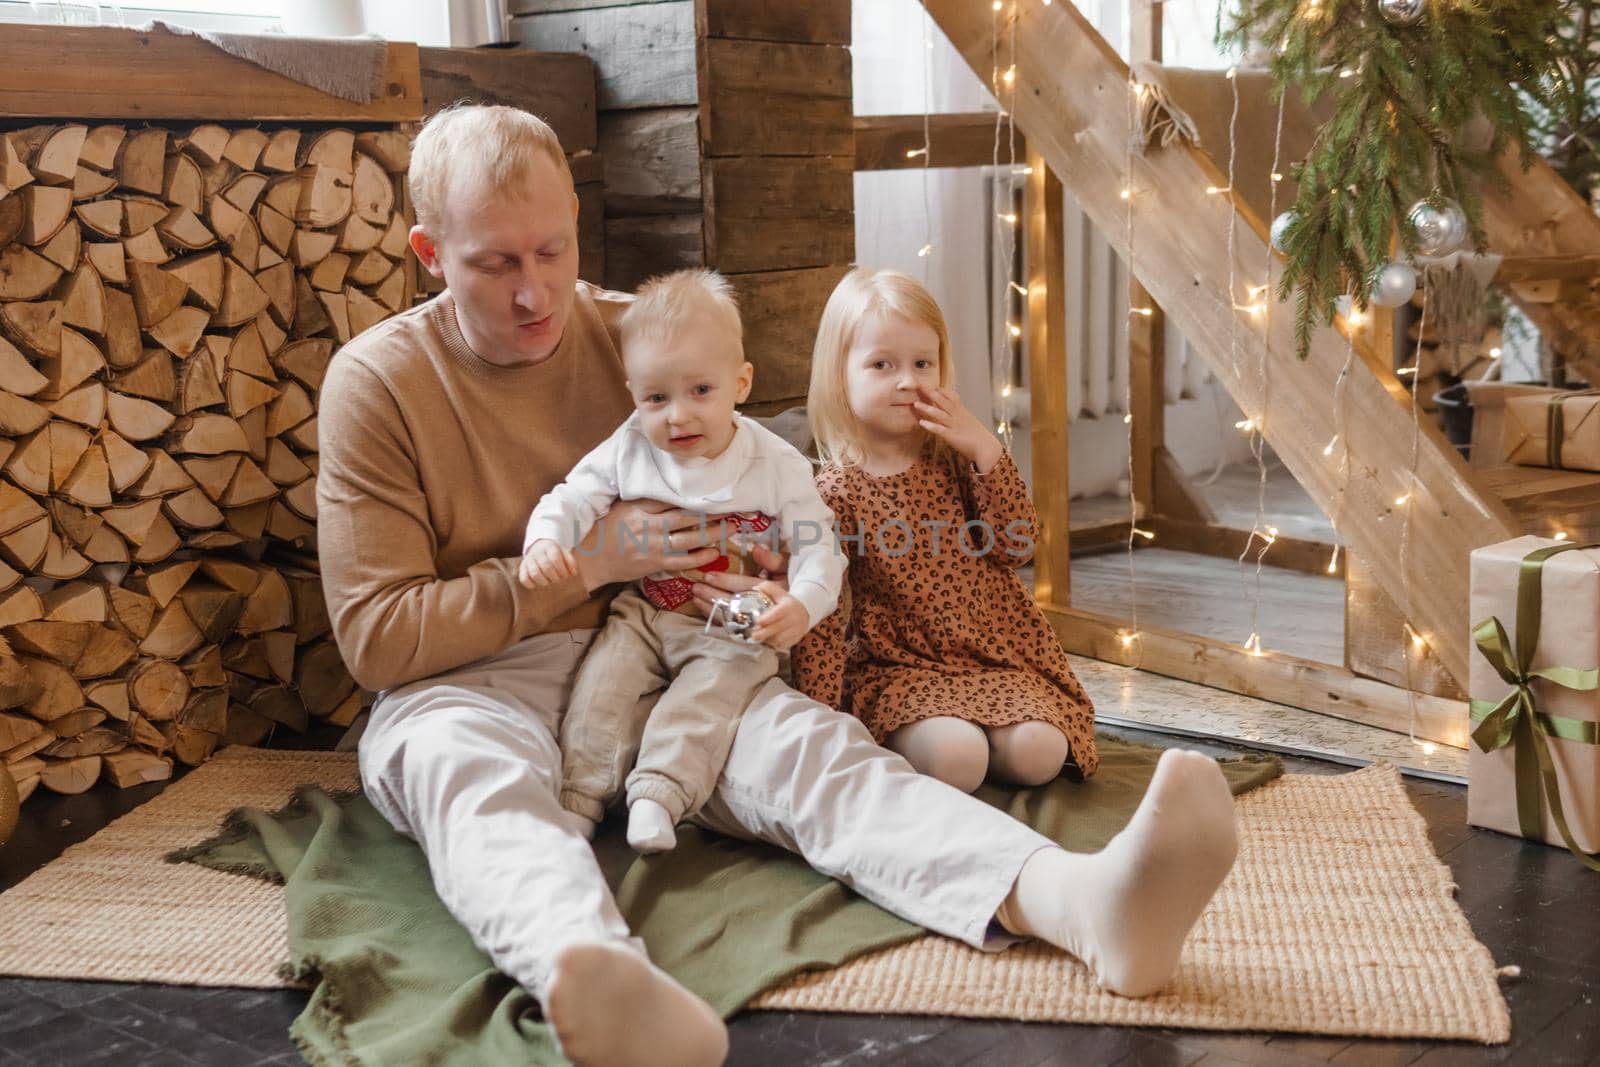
[[1146, 312], [1009, 217], [1002, 427], [1328, 450], [913, 153], [1022, 171], [1257, 290], [1333, 563], [1347, 73], [1213, 190], [997, 5], [1253, 644], [1005, 390], [1127, 420], [1022, 290], [924, 250], [1428, 747], [1494, 353], [1418, 642], [1128, 637], [1406, 371], [1010, 75], [1271, 536], [1277, 177], [1561, 535], [1353, 316], [1148, 535], [1015, 330], [1402, 501], [1257, 309], [1246, 425], [1127, 194]]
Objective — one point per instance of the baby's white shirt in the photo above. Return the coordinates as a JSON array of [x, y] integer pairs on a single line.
[[758, 472]]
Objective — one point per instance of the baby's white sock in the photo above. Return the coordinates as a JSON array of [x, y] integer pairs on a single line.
[[611, 1007], [1126, 910], [650, 827]]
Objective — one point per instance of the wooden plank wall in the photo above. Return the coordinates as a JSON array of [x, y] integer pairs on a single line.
[[726, 134]]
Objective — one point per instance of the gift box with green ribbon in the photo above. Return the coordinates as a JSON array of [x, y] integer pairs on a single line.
[[1533, 765], [1559, 430]]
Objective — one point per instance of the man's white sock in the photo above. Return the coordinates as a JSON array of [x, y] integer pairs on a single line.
[[1126, 910], [611, 1007]]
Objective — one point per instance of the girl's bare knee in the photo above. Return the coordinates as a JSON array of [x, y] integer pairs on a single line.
[[1028, 753], [952, 750]]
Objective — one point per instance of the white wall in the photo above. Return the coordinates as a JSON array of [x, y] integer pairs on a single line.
[[897, 212]]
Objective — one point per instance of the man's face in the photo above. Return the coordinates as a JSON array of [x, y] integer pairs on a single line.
[[686, 386], [510, 259]]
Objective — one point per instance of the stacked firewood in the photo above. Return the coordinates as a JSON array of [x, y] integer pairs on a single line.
[[169, 303]]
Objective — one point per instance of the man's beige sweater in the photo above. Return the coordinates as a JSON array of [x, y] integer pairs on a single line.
[[432, 460]]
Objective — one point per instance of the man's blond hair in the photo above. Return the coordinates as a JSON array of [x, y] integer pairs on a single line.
[[491, 145], [666, 302]]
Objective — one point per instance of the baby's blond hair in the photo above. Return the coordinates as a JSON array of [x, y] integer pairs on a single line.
[[665, 302], [859, 295], [495, 146]]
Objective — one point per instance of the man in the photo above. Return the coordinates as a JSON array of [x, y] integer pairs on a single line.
[[440, 429]]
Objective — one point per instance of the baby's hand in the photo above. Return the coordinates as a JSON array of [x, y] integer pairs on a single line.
[[546, 563], [785, 623]]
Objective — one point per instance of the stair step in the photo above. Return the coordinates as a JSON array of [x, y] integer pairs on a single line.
[[1533, 492]]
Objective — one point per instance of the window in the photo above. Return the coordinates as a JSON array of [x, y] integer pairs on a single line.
[[244, 16]]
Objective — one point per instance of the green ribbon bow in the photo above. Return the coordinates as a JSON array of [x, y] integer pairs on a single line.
[[1517, 720]]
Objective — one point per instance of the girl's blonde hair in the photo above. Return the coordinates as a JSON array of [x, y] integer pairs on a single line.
[[860, 295], [493, 145]]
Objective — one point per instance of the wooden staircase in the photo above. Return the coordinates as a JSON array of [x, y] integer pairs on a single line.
[[1070, 98]]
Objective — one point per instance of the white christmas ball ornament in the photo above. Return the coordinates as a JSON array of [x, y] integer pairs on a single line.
[[1280, 226], [1394, 285], [1402, 12], [1441, 229]]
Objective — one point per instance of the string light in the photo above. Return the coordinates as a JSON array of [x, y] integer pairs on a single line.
[[1127, 194], [1417, 641], [1428, 747], [1014, 329], [1406, 371], [1127, 420], [924, 250], [1276, 177], [1022, 290], [913, 153], [1010, 75], [1332, 443], [1213, 190], [1128, 637], [1146, 312], [1022, 171], [1009, 218], [1148, 535], [1333, 562], [1252, 644], [1561, 535], [1494, 353], [1246, 425], [1402, 501]]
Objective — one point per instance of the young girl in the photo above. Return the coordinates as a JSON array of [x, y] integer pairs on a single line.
[[943, 655]]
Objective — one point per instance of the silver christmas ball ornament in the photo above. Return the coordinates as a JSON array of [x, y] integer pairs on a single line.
[[1280, 226], [1402, 12], [1441, 228], [739, 612], [1394, 285]]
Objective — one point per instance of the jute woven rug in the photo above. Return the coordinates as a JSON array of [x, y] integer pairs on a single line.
[[1337, 919]]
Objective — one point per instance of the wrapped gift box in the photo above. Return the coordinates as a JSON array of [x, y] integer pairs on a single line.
[[1569, 643], [1560, 430]]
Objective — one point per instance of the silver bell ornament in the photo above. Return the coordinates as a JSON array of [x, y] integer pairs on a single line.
[[1280, 226], [739, 612], [1402, 12], [1393, 286], [1440, 229]]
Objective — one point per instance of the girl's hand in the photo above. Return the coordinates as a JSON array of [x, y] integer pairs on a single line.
[[942, 414]]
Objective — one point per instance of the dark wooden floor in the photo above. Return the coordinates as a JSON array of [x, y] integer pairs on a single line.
[[1532, 905]]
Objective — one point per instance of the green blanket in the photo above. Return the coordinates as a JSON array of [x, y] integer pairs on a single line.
[[397, 980]]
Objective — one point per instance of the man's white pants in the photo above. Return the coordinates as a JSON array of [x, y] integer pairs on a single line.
[[467, 764]]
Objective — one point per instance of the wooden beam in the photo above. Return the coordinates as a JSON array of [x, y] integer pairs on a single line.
[[1147, 325], [105, 72], [1070, 99], [1286, 552], [1378, 645], [1273, 676], [882, 141], [1175, 496], [556, 86], [777, 213], [1570, 267], [813, 22], [1095, 537], [1047, 378], [759, 98]]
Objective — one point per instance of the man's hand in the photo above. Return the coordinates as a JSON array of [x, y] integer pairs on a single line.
[[785, 623], [640, 537], [774, 571], [546, 563]]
